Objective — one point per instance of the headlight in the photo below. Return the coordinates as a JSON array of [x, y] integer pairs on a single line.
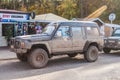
[[22, 44]]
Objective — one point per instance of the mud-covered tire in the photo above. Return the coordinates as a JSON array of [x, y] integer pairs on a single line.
[[22, 57], [106, 50], [91, 55], [38, 58], [72, 55]]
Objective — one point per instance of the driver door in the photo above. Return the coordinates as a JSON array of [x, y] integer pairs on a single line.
[[62, 41]]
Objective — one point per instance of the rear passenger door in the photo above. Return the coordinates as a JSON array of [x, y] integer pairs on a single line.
[[78, 38]]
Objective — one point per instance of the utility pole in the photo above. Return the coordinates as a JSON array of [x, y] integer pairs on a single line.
[[86, 8], [14, 2], [27, 4], [0, 3], [81, 8]]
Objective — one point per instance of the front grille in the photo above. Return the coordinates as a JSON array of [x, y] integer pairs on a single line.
[[111, 43], [15, 43]]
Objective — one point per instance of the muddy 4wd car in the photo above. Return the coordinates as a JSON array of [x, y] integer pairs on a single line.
[[113, 42], [58, 38]]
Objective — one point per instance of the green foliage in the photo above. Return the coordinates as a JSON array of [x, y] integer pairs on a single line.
[[8, 34], [65, 8]]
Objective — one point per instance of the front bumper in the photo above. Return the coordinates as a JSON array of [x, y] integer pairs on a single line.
[[19, 50], [113, 47]]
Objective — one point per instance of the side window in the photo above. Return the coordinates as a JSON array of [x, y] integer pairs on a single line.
[[77, 31], [116, 32], [93, 31], [63, 31]]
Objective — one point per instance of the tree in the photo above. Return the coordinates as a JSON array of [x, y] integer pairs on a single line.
[[67, 9]]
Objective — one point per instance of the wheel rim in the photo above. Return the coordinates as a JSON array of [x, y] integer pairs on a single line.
[[39, 58], [93, 54]]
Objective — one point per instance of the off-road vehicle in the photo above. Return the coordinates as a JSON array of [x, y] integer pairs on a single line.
[[112, 42], [58, 38]]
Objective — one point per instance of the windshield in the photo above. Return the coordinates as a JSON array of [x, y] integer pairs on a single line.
[[116, 32], [48, 29]]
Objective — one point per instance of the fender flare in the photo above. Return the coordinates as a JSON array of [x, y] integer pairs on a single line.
[[88, 43], [86, 46]]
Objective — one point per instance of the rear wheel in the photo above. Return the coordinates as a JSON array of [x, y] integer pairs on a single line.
[[91, 54], [38, 58], [72, 55], [106, 50], [22, 57]]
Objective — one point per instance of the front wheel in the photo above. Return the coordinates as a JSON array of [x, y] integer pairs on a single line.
[[91, 55], [106, 50], [38, 58]]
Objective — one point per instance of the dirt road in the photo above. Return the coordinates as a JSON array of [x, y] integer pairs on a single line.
[[107, 67]]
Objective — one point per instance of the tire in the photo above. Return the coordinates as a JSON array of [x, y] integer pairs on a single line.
[[106, 50], [91, 55], [38, 58], [72, 55], [22, 57]]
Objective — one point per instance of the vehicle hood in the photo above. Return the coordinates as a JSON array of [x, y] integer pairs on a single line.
[[35, 37], [113, 38]]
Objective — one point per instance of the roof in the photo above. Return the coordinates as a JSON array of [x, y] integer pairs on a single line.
[[80, 23], [97, 20], [76, 21], [49, 16]]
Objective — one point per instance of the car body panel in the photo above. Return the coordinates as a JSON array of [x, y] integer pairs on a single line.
[[71, 41]]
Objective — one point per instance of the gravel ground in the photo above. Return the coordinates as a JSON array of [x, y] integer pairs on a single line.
[[107, 67], [5, 54]]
